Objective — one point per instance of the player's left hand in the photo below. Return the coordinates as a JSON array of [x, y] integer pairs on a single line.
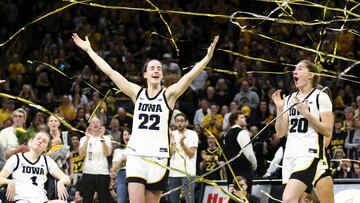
[[182, 138], [62, 192], [302, 107], [212, 46]]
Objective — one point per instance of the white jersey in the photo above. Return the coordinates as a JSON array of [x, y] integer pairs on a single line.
[[150, 133], [302, 139], [30, 177], [180, 160]]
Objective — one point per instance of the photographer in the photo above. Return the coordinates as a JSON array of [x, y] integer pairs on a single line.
[[344, 170], [241, 192]]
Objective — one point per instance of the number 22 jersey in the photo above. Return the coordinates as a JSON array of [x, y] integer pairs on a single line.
[[302, 139], [150, 132]]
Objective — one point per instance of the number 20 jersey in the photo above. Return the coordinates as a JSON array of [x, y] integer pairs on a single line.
[[302, 139], [150, 132]]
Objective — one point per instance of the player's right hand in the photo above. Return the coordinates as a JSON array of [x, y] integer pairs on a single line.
[[10, 191], [278, 99]]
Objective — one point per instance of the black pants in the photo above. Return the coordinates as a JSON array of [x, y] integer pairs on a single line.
[[91, 183]]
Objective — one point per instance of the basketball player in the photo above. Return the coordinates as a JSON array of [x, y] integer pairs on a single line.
[[150, 135], [308, 126], [29, 172]]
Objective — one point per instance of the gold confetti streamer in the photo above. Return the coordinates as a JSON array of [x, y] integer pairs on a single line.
[[41, 18], [39, 107], [167, 26]]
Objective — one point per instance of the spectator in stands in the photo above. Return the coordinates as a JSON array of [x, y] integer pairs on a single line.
[[348, 95], [60, 154], [43, 85], [212, 157], [101, 106], [80, 121], [222, 92], [357, 110], [95, 148], [49, 102], [348, 123], [15, 68], [339, 105], [118, 167], [352, 142], [7, 123], [76, 159], [338, 138], [67, 109], [169, 66], [202, 112], [240, 191], [183, 159], [247, 97], [198, 84], [337, 156], [8, 138], [261, 116], [124, 118], [210, 95], [27, 93], [114, 130], [77, 96], [213, 121], [356, 167], [55, 132], [344, 170], [233, 107], [6, 110], [224, 110], [38, 120]]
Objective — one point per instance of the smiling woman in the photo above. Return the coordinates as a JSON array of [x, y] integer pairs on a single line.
[[29, 172], [153, 109], [95, 147]]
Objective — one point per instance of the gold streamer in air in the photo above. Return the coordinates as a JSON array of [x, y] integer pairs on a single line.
[[41, 18]]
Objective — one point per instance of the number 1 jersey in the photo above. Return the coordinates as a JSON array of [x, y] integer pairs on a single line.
[[302, 139], [150, 132]]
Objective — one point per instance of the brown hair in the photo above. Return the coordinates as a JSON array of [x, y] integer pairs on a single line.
[[312, 69], [233, 117]]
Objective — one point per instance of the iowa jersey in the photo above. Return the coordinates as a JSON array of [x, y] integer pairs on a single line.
[[302, 139], [212, 156], [150, 133], [30, 177], [77, 162]]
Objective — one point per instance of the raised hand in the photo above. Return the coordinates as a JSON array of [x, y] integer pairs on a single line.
[[278, 100], [83, 44], [212, 46]]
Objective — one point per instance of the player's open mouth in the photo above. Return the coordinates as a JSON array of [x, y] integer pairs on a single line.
[[155, 77], [296, 78]]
